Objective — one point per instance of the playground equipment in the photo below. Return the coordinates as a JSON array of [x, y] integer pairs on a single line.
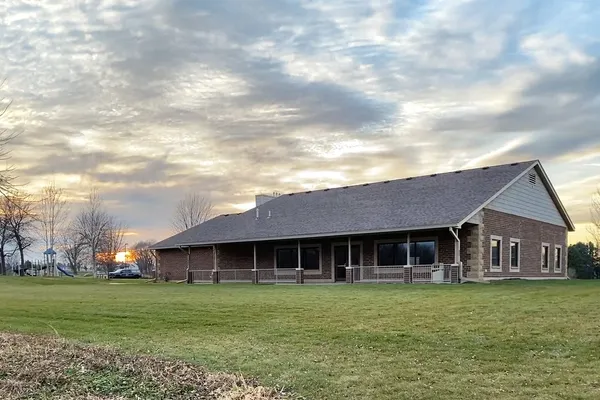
[[64, 271]]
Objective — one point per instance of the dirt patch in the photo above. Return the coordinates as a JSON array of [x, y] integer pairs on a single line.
[[44, 368]]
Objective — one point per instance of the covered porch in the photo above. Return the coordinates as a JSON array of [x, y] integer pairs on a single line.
[[420, 256]]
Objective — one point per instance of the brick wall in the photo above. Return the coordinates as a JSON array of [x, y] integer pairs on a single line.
[[172, 263], [531, 234]]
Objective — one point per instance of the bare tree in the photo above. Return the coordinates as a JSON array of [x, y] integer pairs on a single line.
[[91, 224], [113, 242], [6, 235], [594, 229], [190, 211], [143, 256], [6, 135], [52, 214], [21, 221], [72, 248]]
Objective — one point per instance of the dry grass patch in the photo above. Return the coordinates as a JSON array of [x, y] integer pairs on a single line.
[[33, 367]]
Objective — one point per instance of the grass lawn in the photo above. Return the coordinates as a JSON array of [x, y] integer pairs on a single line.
[[512, 340]]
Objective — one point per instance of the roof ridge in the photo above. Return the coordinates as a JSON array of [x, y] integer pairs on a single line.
[[433, 174]]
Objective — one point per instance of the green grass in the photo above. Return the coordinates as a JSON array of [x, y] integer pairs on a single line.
[[512, 340]]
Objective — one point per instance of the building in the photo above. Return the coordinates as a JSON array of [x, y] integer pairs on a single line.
[[480, 224]]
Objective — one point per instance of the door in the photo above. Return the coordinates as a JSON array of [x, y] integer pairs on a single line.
[[340, 260]]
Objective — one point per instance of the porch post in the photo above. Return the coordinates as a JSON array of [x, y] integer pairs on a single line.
[[188, 274], [407, 276], [215, 272], [349, 269], [455, 273], [299, 270], [255, 270]]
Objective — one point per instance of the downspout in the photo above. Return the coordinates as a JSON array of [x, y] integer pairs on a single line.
[[187, 268]]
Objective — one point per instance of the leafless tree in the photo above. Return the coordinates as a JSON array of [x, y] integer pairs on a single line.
[[143, 256], [594, 229], [21, 221], [190, 211], [52, 214], [113, 242], [72, 248], [6, 235], [91, 224], [6, 135]]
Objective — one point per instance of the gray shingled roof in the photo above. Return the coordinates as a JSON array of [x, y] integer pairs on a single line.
[[411, 203]]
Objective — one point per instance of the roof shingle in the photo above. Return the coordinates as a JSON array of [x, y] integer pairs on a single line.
[[412, 203]]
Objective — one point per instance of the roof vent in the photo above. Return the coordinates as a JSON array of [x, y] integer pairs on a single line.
[[457, 172], [309, 191], [291, 194], [269, 216], [513, 164], [327, 190], [533, 179], [433, 175], [345, 187], [226, 215], [386, 182], [484, 168], [366, 184], [409, 179]]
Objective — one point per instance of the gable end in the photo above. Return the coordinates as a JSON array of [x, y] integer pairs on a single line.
[[531, 198]]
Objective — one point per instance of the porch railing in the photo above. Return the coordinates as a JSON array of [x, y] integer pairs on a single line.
[[235, 275], [378, 274], [436, 273], [280, 275], [201, 275]]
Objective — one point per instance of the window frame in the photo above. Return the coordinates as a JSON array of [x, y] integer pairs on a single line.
[[307, 245], [404, 240], [560, 259], [518, 267], [547, 270], [496, 268]]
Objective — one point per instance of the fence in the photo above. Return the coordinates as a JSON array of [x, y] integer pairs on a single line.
[[437, 273], [201, 276], [281, 275], [235, 275], [375, 274]]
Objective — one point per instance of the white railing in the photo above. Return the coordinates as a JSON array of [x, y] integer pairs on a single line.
[[436, 273], [201, 275], [235, 275], [280, 275], [379, 274]]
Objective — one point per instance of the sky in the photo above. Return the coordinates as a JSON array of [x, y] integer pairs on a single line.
[[147, 100]]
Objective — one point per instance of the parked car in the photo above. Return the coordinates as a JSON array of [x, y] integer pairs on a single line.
[[125, 273]]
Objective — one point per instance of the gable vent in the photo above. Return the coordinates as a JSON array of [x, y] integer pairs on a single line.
[[533, 179]]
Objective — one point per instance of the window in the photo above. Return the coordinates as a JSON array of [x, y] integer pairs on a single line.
[[421, 253], [545, 257], [557, 258], [496, 253], [288, 257], [515, 254]]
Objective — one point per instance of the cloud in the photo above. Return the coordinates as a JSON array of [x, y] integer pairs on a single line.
[[149, 99]]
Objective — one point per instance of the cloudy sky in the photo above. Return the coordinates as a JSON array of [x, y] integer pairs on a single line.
[[148, 99]]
